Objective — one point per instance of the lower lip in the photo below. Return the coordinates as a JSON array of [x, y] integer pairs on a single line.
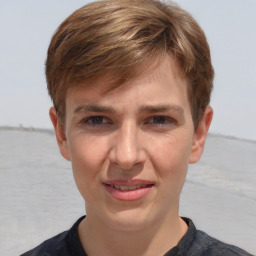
[[128, 195]]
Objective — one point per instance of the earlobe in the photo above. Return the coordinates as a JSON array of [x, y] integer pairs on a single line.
[[200, 136], [59, 133]]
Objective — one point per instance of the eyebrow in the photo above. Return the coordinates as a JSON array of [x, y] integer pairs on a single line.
[[93, 108], [161, 108], [151, 109]]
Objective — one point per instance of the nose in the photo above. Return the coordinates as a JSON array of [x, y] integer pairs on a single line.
[[127, 151]]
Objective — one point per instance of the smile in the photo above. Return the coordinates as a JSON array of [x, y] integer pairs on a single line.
[[128, 192], [125, 188]]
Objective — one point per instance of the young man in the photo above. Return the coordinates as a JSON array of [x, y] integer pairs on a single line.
[[130, 82]]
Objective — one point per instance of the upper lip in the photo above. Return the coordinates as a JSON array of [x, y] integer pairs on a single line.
[[128, 182]]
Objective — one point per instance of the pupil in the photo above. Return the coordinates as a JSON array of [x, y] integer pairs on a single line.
[[97, 119], [159, 120]]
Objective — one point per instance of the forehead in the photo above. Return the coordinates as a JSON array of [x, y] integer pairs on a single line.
[[110, 82], [163, 85]]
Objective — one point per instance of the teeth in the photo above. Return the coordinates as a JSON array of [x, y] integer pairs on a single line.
[[123, 188]]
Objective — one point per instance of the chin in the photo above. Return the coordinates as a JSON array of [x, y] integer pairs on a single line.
[[129, 220]]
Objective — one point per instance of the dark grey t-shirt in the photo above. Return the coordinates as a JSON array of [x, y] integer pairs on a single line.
[[194, 243]]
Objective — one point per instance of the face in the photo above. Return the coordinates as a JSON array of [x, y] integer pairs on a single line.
[[130, 148]]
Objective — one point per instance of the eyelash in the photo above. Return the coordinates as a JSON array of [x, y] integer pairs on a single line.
[[158, 121], [164, 120], [91, 120]]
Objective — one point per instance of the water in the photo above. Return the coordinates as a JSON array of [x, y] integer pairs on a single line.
[[230, 165], [39, 198]]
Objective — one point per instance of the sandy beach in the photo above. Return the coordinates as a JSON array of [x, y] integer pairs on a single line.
[[39, 198]]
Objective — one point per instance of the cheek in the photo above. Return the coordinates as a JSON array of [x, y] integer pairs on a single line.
[[171, 155], [170, 163], [87, 151], [87, 159]]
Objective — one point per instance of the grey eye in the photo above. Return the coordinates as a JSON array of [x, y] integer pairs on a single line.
[[95, 120], [159, 119]]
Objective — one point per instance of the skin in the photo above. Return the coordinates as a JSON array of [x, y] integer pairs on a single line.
[[142, 133]]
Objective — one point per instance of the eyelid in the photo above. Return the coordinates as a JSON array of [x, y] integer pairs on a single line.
[[168, 120], [89, 120]]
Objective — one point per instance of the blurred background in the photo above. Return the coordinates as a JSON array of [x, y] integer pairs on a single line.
[[26, 28]]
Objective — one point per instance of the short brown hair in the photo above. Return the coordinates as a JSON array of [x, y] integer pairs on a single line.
[[123, 36]]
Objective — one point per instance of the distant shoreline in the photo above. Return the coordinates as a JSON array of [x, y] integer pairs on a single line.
[[27, 129], [51, 131]]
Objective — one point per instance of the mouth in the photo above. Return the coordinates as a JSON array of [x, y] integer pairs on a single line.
[[129, 188], [124, 191]]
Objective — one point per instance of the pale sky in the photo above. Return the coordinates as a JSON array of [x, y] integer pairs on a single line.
[[26, 28]]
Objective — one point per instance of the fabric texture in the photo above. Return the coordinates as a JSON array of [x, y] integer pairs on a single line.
[[194, 243]]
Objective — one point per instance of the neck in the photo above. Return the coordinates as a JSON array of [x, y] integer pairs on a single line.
[[100, 239]]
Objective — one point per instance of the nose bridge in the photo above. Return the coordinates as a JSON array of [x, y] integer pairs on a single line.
[[127, 149]]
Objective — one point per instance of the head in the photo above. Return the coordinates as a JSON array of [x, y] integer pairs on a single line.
[[130, 82], [118, 40]]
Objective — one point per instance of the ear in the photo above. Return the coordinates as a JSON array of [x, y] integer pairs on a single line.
[[59, 133], [200, 136]]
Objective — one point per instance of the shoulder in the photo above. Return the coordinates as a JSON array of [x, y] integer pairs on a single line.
[[198, 243], [210, 246], [66, 243], [53, 246]]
